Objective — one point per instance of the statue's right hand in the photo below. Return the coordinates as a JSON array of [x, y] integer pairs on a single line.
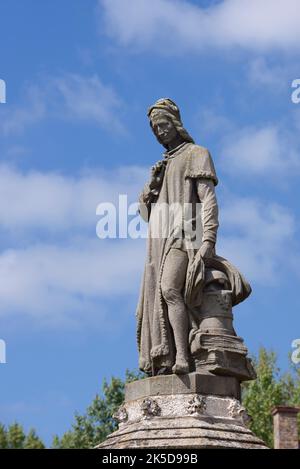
[[157, 173], [156, 169]]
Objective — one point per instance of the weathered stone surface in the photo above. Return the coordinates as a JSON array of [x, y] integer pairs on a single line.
[[221, 355], [186, 288], [196, 410], [185, 434], [185, 334], [192, 383], [181, 420]]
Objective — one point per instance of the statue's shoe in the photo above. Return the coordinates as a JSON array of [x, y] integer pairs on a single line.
[[181, 368]]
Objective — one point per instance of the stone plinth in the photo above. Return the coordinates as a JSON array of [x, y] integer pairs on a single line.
[[193, 411]]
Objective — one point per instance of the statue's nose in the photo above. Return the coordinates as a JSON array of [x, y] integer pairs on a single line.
[[161, 132]]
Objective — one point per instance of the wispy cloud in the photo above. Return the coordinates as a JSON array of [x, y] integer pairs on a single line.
[[271, 77], [255, 235], [87, 98], [271, 148], [57, 284], [58, 270], [60, 283], [15, 119], [58, 203], [70, 97], [177, 26], [68, 272], [266, 150]]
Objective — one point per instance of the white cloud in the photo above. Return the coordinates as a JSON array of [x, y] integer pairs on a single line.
[[269, 149], [89, 99], [271, 77], [175, 26], [71, 274], [255, 237], [61, 283], [15, 119], [209, 122], [66, 272], [70, 96], [264, 151], [58, 203]]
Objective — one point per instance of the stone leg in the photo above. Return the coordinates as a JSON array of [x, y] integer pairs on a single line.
[[173, 280]]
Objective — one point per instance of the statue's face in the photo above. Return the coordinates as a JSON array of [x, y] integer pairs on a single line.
[[164, 129]]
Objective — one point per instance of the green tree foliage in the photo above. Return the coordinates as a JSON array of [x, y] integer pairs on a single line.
[[270, 389], [32, 441], [93, 427], [259, 397], [14, 437]]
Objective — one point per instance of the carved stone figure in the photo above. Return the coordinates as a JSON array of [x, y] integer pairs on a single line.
[[184, 315]]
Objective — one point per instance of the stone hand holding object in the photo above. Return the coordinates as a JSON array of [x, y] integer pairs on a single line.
[[157, 174]]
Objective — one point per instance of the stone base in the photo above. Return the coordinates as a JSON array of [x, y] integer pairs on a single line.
[[170, 412], [222, 355]]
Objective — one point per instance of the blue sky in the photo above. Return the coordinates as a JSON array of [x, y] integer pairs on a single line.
[[80, 76]]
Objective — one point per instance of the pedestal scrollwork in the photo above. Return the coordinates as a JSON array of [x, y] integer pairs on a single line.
[[150, 408], [237, 411], [197, 405], [121, 415]]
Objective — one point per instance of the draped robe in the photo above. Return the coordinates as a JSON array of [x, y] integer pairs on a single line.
[[185, 167]]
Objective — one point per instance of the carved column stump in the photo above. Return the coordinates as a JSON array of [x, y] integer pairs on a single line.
[[189, 411]]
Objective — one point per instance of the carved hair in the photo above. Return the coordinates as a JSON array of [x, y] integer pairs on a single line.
[[168, 108]]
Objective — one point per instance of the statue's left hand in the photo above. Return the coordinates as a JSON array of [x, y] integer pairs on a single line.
[[207, 249]]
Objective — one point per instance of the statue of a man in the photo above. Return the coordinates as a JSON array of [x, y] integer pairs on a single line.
[[177, 262]]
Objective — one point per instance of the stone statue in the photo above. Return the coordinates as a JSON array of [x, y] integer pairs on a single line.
[[184, 315], [194, 360]]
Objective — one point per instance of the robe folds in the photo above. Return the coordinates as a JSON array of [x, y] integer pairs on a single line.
[[185, 168]]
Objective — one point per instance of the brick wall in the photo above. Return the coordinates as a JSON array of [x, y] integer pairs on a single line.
[[285, 427]]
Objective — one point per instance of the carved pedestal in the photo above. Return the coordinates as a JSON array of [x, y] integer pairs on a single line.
[[193, 411], [214, 345]]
